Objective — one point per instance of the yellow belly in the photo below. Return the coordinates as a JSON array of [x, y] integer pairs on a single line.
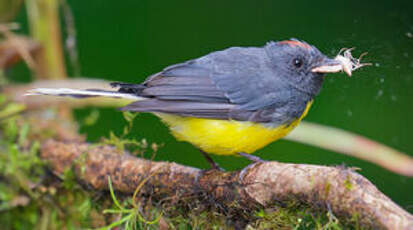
[[226, 137]]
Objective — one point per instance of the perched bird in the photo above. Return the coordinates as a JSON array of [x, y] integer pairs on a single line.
[[230, 102]]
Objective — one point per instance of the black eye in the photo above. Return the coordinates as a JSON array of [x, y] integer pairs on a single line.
[[298, 62]]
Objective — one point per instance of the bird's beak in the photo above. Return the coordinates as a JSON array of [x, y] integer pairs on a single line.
[[328, 65]]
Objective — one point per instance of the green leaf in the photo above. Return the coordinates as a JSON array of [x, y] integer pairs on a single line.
[[11, 109], [92, 118], [23, 133], [112, 194], [129, 116]]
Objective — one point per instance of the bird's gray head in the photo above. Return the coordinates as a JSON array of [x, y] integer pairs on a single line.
[[297, 63]]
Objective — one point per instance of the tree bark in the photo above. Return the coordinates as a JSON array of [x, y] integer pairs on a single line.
[[260, 185]]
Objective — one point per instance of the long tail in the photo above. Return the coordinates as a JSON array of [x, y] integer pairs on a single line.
[[79, 93]]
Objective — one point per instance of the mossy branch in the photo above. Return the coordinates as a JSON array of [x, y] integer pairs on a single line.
[[341, 190]]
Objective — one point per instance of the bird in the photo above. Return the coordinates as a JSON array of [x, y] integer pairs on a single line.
[[229, 102]]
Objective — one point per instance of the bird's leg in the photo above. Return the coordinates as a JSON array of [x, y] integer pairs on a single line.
[[255, 160], [252, 158], [211, 162]]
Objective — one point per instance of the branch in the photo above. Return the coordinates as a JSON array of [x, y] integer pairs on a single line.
[[344, 191], [348, 143], [16, 47]]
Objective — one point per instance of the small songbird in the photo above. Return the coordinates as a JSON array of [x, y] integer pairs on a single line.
[[230, 102]]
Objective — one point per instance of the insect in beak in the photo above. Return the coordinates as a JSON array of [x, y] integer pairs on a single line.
[[342, 62]]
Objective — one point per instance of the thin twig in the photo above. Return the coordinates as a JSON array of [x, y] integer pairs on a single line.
[[71, 41], [20, 45]]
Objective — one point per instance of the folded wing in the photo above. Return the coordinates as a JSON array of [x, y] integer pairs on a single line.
[[229, 84]]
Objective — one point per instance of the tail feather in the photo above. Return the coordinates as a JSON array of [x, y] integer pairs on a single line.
[[82, 93], [128, 87]]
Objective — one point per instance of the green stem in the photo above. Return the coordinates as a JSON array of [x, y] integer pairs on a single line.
[[9, 9], [44, 27], [348, 143]]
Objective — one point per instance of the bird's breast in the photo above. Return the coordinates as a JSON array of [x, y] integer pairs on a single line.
[[226, 137]]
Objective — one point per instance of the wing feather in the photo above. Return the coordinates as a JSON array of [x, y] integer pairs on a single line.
[[183, 108], [235, 83]]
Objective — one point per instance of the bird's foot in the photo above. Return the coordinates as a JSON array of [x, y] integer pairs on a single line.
[[255, 161], [252, 158], [212, 163]]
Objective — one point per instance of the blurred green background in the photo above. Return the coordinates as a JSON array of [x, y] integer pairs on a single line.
[[131, 39]]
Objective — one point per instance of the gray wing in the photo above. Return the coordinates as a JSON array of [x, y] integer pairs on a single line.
[[230, 84]]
